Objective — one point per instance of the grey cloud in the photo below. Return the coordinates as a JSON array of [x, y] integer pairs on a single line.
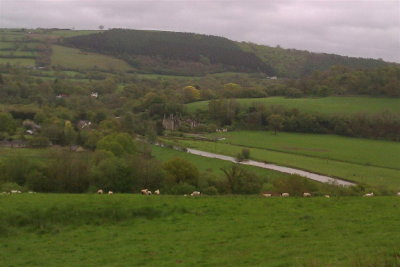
[[369, 28]]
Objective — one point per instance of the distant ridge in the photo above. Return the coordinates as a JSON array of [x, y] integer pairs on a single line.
[[181, 53]]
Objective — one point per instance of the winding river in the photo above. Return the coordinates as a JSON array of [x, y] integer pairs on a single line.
[[309, 175]]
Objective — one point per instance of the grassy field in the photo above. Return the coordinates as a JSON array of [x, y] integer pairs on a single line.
[[18, 61], [75, 59], [326, 105], [367, 174], [70, 33], [133, 230], [354, 150]]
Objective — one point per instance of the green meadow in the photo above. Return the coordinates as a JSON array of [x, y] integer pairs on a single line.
[[352, 150], [70, 33], [18, 61], [134, 230], [75, 59], [326, 105], [371, 173]]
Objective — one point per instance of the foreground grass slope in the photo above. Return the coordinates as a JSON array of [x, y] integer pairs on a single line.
[[325, 105], [122, 230]]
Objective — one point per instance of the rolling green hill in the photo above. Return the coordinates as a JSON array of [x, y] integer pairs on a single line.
[[176, 53], [188, 53], [295, 63], [161, 51]]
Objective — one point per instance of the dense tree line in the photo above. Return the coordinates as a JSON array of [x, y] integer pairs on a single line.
[[227, 112], [293, 63], [340, 80], [171, 48]]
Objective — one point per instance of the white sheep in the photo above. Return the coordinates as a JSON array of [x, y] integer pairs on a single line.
[[306, 194], [15, 192], [267, 195], [285, 194], [195, 193], [157, 192], [144, 191], [398, 194], [100, 191], [110, 192], [327, 196], [369, 194]]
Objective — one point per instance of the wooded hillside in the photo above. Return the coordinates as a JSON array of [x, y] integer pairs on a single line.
[[172, 52]]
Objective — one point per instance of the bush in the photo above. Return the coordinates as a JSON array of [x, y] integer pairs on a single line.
[[241, 181], [7, 187], [294, 185], [39, 141], [179, 171], [211, 190], [181, 189]]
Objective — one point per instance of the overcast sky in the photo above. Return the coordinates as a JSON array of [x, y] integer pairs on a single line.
[[360, 28]]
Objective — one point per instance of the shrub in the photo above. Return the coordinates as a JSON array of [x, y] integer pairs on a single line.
[[211, 190], [179, 171], [181, 189], [7, 187]]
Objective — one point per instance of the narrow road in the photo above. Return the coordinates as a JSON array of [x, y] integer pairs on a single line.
[[309, 175]]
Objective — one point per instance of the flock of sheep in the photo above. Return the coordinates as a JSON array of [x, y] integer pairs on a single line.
[[147, 192], [193, 194]]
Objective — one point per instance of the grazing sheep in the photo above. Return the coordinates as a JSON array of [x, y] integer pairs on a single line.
[[15, 192], [327, 196], [285, 194], [195, 193], [110, 192], [148, 192], [306, 194], [185, 195], [31, 192], [157, 192], [398, 194], [369, 194], [100, 191], [144, 191], [267, 195]]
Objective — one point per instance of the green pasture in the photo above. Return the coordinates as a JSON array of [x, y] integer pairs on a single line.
[[371, 175], [71, 33], [18, 61], [135, 230], [5, 45], [347, 149], [18, 53], [75, 59], [325, 105]]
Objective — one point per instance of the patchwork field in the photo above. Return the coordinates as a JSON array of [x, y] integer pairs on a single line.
[[326, 105], [329, 155], [81, 230], [75, 59]]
